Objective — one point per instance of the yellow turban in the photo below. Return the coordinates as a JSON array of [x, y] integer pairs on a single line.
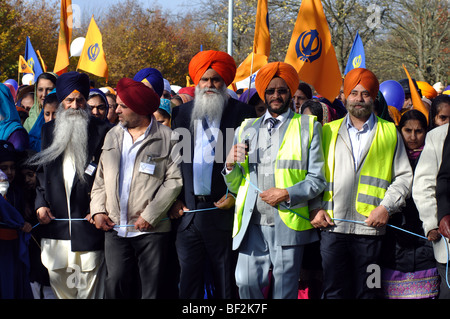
[[427, 90]]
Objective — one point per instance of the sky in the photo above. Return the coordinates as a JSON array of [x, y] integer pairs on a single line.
[[176, 6]]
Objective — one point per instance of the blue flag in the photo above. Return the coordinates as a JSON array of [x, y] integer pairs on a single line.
[[357, 58], [32, 59]]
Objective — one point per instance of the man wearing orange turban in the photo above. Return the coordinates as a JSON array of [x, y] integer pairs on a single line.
[[364, 77], [282, 144], [279, 69], [219, 61], [369, 178], [204, 233]]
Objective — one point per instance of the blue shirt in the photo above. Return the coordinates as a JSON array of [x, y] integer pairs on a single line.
[[359, 138]]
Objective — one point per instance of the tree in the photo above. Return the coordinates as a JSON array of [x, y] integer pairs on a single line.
[[420, 38], [19, 19]]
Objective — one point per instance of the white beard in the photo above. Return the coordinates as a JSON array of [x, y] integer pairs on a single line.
[[209, 105], [70, 138]]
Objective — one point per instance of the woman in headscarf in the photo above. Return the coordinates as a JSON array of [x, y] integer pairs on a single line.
[[251, 97], [408, 264], [11, 128], [45, 83]]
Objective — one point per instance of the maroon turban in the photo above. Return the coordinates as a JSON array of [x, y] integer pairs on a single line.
[[137, 96]]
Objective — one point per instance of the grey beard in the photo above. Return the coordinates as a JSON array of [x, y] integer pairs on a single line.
[[70, 138], [359, 113], [209, 105]]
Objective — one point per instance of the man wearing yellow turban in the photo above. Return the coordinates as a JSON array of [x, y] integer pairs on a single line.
[[274, 178]]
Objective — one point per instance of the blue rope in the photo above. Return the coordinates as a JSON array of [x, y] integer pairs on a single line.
[[363, 223]]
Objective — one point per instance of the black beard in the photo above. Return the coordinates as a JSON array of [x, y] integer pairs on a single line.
[[281, 110]]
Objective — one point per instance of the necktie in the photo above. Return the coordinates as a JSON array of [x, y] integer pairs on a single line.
[[272, 123], [207, 130]]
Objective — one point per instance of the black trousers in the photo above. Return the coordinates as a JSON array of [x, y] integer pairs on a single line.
[[345, 262], [205, 255], [135, 266]]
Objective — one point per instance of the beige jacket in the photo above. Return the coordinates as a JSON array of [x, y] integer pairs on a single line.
[[346, 184], [424, 186], [151, 195]]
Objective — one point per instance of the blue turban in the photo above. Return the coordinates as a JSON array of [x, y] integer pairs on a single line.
[[165, 105], [71, 81], [154, 77]]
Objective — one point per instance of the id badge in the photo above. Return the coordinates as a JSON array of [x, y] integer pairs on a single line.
[[90, 170], [147, 167]]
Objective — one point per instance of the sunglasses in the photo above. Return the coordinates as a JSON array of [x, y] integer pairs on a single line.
[[280, 91]]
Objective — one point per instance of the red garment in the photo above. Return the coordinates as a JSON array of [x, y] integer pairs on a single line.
[[137, 96]]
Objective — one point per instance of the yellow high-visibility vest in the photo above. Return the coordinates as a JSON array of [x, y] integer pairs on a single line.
[[376, 172], [289, 170]]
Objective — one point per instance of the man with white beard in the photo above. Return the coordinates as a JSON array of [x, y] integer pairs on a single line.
[[204, 235], [72, 248]]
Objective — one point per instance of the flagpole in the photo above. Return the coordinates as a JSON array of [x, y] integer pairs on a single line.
[[230, 27], [250, 78]]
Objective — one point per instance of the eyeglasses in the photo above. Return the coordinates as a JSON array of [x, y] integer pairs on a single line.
[[280, 91]]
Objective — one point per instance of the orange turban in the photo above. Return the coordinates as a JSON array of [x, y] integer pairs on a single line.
[[427, 90], [364, 77], [279, 69], [219, 61]]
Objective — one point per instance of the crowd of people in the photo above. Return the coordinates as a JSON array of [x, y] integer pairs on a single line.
[[270, 192]]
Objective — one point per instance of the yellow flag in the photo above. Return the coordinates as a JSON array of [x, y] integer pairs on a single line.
[[311, 53], [261, 47], [93, 58], [65, 36], [23, 66], [415, 97]]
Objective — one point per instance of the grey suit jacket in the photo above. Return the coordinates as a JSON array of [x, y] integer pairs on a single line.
[[304, 191]]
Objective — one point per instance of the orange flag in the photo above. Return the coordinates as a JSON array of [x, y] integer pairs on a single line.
[[65, 36], [261, 42], [24, 67], [311, 53], [415, 97], [93, 58], [261, 47], [44, 67]]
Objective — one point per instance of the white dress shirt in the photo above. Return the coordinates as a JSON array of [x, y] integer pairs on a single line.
[[127, 159], [359, 138], [204, 156]]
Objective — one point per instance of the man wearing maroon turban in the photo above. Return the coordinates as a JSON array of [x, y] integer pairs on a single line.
[[282, 144], [369, 177], [204, 235], [136, 183]]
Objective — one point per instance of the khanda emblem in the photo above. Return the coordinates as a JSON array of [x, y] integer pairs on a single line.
[[309, 46], [31, 63], [356, 61], [93, 52]]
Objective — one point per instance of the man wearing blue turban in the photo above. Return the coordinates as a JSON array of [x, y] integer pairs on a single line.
[[152, 78], [71, 147]]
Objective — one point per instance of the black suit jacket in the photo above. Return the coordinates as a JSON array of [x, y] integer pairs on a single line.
[[51, 193], [233, 115]]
